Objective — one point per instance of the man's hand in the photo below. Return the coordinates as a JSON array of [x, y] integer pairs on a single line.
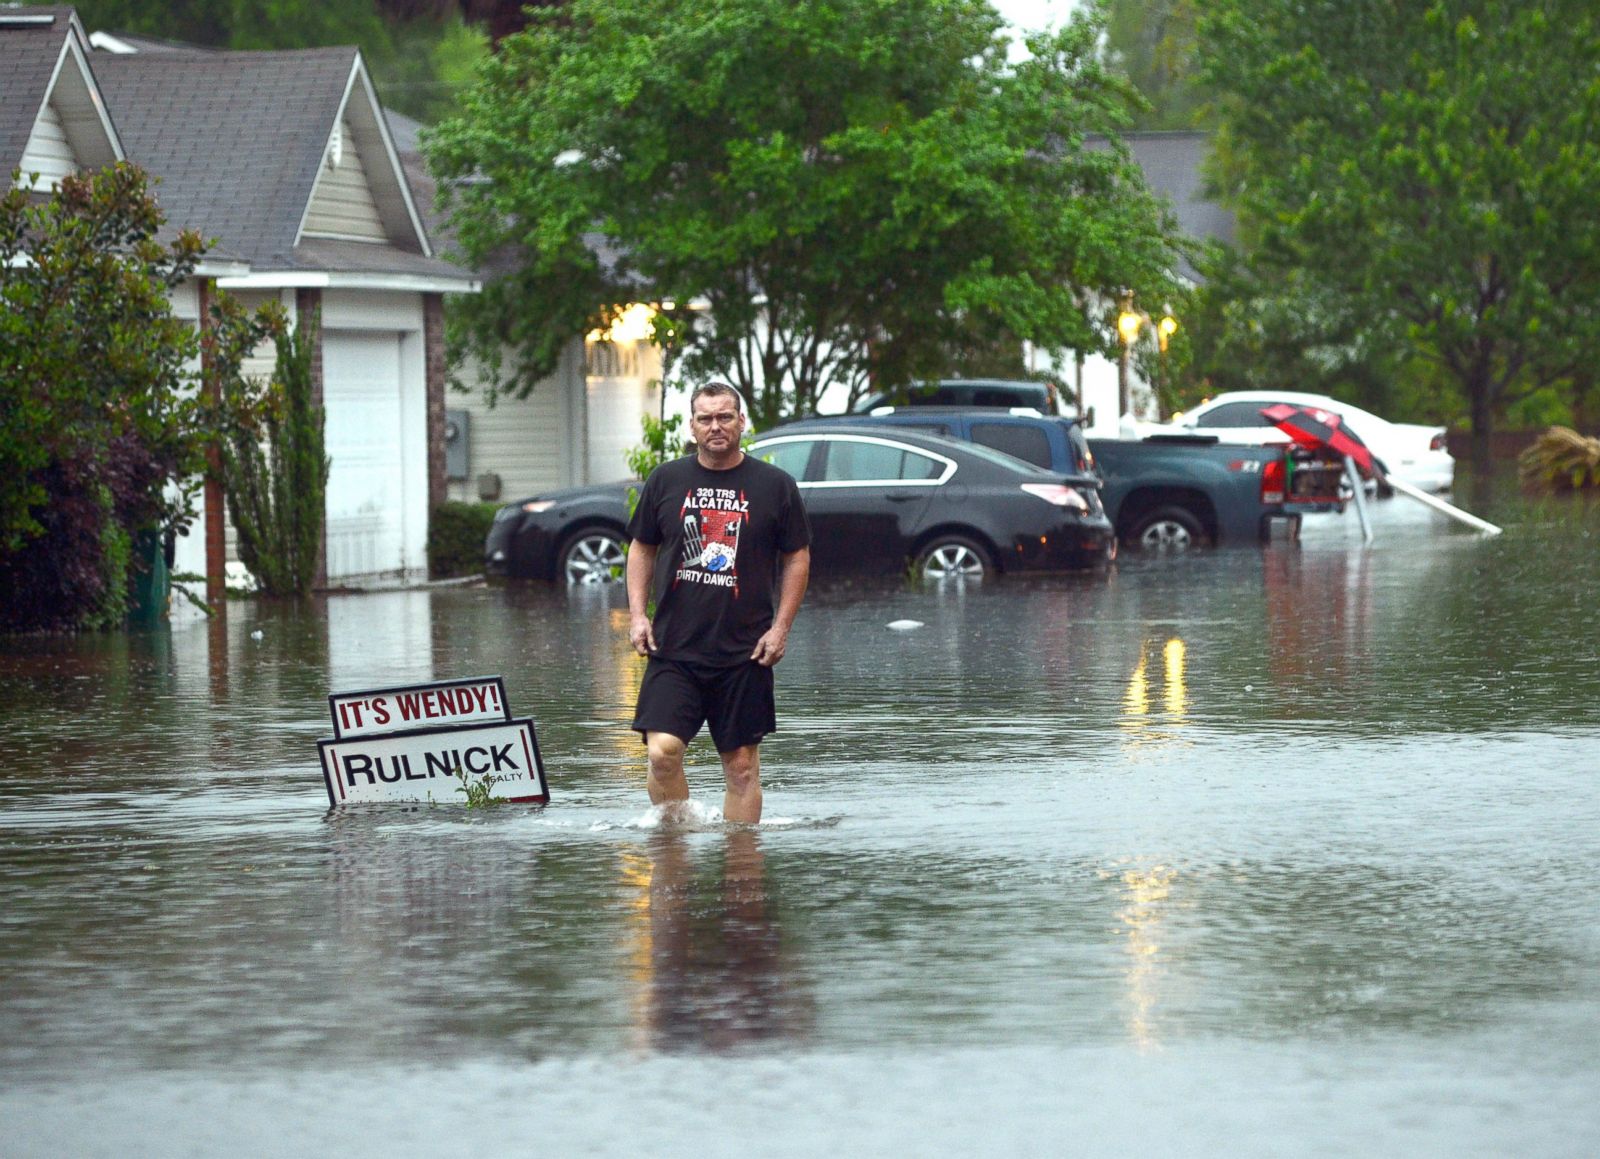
[[641, 563], [770, 648], [642, 635]]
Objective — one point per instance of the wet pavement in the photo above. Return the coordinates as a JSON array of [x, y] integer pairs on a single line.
[[1250, 852]]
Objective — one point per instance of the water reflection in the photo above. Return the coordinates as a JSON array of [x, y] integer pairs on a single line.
[[709, 961], [1320, 614], [1137, 722], [1145, 892]]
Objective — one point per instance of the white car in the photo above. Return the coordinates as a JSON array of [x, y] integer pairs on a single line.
[[1410, 452]]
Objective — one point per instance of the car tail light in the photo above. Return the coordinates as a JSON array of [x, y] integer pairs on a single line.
[[1059, 494], [1439, 442], [1274, 481], [535, 506]]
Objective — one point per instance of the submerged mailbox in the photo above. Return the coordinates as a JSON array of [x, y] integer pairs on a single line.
[[418, 742]]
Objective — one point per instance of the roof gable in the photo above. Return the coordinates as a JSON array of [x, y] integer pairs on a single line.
[[53, 118], [361, 189], [239, 140]]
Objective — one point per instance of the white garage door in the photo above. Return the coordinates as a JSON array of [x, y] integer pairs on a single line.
[[615, 407], [366, 479]]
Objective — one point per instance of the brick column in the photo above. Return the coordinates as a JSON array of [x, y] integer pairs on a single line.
[[433, 352], [308, 304], [216, 531]]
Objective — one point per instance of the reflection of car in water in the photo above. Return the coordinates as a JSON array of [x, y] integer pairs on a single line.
[[717, 975], [1412, 453]]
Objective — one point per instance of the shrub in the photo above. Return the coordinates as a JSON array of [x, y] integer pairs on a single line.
[[1562, 459], [455, 538], [276, 477], [102, 427]]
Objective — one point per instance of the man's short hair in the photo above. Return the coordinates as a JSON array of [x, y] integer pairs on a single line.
[[714, 389]]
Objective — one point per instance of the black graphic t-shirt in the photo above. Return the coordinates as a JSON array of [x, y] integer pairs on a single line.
[[719, 536]]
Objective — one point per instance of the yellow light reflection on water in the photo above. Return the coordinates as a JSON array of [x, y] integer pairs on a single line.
[[1141, 724], [626, 671], [1175, 662], [1146, 892], [636, 873]]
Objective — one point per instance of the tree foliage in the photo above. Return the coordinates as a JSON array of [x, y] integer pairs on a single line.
[[820, 192], [102, 428], [1419, 180], [1153, 43], [276, 474], [421, 52]]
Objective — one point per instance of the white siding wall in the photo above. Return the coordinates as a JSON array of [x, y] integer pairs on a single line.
[[49, 153], [342, 204], [533, 444], [574, 428]]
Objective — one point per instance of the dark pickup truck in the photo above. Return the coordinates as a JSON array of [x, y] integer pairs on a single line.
[[1165, 492]]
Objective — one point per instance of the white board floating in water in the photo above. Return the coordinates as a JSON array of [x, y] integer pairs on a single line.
[[904, 625], [1444, 508]]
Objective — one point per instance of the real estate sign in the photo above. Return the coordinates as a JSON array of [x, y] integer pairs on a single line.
[[423, 742], [383, 710]]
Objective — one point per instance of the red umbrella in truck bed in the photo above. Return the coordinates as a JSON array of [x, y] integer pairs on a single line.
[[1314, 427]]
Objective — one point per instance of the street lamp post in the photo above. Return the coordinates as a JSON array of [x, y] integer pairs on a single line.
[[1128, 324], [1165, 329]]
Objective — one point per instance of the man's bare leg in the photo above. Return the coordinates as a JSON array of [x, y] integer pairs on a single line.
[[741, 768], [667, 784]]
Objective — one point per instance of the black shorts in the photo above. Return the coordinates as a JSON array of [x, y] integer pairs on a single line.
[[677, 697]]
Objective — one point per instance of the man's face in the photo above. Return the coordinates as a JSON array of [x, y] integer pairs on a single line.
[[717, 422]]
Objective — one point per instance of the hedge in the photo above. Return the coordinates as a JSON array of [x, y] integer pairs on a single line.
[[455, 538]]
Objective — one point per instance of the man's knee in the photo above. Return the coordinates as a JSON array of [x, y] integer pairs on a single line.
[[665, 751], [742, 767]]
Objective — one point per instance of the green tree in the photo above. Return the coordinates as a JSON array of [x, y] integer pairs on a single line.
[[1419, 179], [103, 432], [276, 474], [851, 190]]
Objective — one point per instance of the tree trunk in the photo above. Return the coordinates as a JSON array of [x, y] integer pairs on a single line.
[[1482, 413]]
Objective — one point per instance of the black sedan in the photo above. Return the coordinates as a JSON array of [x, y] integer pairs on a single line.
[[878, 501]]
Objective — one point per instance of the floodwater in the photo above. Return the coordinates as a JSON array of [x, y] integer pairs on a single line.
[[1258, 852]]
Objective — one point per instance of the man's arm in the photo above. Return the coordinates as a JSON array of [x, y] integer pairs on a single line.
[[793, 575], [641, 574]]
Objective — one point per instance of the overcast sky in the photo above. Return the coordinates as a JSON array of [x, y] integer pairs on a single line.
[[1033, 14]]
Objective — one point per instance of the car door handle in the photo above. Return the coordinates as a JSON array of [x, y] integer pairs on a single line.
[[900, 496]]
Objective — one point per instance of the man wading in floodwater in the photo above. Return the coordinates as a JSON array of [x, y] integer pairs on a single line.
[[724, 543]]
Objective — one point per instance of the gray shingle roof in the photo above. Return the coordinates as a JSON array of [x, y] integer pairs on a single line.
[[237, 139], [1173, 167]]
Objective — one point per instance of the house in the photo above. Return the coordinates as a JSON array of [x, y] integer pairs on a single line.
[[284, 162]]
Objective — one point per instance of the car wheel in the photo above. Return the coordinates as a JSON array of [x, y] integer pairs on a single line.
[[592, 555], [953, 557], [1166, 529]]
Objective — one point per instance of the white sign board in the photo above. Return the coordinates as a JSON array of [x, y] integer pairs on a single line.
[[425, 764], [385, 710]]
